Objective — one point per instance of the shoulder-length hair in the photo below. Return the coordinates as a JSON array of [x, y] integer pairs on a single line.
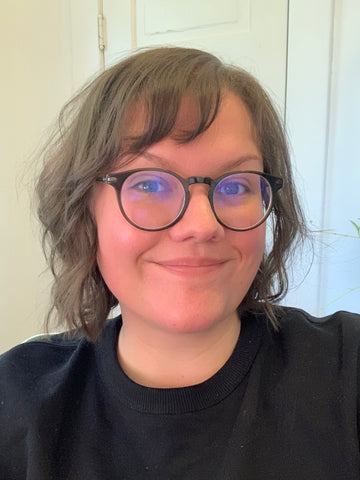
[[92, 136]]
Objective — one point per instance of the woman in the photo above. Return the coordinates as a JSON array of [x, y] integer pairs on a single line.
[[169, 192]]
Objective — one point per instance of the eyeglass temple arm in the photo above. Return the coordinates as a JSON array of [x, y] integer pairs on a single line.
[[108, 179], [275, 182]]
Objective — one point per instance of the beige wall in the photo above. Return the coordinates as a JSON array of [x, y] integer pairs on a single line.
[[37, 76]]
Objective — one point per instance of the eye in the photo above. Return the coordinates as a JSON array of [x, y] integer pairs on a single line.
[[150, 186], [232, 188]]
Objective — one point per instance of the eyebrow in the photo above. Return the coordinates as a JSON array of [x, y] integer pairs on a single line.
[[229, 166]]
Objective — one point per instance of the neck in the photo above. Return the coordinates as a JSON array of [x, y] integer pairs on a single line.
[[161, 359]]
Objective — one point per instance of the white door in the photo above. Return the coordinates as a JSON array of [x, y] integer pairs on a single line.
[[244, 32]]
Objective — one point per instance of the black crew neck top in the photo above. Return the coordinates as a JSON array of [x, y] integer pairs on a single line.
[[284, 406]]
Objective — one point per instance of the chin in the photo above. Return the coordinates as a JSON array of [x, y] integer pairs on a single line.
[[196, 320]]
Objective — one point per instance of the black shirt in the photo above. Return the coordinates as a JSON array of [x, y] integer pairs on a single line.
[[284, 406]]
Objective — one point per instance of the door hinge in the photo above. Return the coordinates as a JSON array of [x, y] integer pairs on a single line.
[[101, 32]]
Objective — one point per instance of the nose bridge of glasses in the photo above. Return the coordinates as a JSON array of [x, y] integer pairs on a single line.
[[201, 205], [193, 180], [200, 180], [204, 181]]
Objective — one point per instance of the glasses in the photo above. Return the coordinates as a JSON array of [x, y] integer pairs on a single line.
[[155, 199]]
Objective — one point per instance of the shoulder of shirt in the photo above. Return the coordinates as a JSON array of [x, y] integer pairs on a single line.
[[44, 355], [50, 371], [294, 322], [53, 345], [291, 314]]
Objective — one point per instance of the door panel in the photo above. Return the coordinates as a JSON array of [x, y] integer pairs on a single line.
[[243, 32]]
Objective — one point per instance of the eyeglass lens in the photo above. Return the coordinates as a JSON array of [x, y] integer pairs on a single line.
[[154, 199], [242, 200]]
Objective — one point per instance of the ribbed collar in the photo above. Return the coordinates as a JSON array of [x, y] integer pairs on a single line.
[[178, 400]]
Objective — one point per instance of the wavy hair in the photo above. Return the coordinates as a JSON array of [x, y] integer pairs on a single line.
[[92, 135]]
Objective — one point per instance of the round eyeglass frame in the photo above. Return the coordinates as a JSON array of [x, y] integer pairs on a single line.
[[116, 180]]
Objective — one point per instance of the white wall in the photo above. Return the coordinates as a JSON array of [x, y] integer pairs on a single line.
[[340, 272], [323, 105]]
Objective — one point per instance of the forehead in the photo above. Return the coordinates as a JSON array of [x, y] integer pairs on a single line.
[[228, 144], [231, 113]]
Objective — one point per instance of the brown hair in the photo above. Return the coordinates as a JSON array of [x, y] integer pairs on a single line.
[[92, 136]]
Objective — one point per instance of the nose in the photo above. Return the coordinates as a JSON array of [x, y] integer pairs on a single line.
[[198, 222]]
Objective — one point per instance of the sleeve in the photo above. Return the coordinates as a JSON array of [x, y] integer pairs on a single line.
[[13, 416], [34, 378]]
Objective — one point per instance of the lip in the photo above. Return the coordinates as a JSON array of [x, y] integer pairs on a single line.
[[190, 266]]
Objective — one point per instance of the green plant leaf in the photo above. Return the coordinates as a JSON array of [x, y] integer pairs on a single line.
[[356, 226]]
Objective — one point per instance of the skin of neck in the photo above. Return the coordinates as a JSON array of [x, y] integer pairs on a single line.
[[161, 359]]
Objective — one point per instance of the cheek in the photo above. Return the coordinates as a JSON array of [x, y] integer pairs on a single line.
[[250, 247], [118, 244], [112, 245], [120, 247], [251, 244], [114, 237], [117, 256], [113, 233]]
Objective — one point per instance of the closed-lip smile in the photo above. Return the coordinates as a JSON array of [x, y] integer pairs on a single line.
[[192, 262], [191, 265]]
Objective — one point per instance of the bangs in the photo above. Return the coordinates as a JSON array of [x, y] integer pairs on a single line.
[[151, 110], [162, 113]]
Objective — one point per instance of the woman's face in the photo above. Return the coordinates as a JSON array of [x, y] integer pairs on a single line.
[[194, 274]]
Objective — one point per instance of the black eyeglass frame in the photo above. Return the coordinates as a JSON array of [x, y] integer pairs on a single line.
[[116, 180]]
